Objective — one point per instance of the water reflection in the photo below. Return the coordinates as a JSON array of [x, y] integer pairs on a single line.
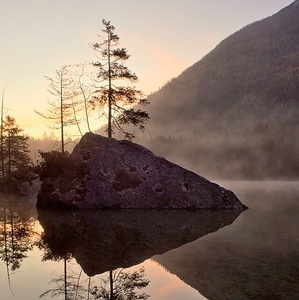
[[17, 236], [116, 284], [107, 240], [122, 285], [86, 244], [256, 258]]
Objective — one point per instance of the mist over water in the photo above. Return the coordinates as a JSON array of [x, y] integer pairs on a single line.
[[254, 258]]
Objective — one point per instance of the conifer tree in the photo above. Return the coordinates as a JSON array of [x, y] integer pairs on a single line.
[[15, 155], [119, 101]]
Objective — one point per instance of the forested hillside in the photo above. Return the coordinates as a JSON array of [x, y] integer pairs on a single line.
[[235, 113]]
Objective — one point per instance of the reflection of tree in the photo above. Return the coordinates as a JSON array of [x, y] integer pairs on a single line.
[[15, 238], [67, 285], [120, 285], [71, 285]]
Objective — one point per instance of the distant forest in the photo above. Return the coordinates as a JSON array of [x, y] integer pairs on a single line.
[[48, 142], [259, 153]]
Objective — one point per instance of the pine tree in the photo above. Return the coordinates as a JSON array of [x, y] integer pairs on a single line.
[[15, 154], [119, 101]]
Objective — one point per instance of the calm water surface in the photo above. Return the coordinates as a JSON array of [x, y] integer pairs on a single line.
[[183, 255]]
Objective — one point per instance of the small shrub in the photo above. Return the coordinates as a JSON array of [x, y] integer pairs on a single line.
[[55, 163]]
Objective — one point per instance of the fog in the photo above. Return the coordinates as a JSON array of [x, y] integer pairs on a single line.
[[254, 258], [255, 154], [48, 143]]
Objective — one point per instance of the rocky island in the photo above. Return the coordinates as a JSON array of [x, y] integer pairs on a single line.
[[110, 174]]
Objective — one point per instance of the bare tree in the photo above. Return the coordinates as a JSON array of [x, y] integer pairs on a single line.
[[61, 108], [83, 92]]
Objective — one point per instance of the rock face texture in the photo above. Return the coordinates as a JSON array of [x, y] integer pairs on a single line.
[[29, 188], [120, 174]]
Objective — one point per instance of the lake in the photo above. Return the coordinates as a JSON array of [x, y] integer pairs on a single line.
[[252, 254]]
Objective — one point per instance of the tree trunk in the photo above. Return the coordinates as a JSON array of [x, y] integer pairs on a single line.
[[111, 285], [110, 89], [9, 157], [65, 279], [61, 116]]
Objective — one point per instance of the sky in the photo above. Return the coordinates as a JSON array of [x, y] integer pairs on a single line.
[[163, 37]]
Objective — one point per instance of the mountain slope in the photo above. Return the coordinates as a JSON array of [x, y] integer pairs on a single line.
[[252, 75], [235, 113]]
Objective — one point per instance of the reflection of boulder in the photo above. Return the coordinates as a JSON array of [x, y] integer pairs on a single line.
[[121, 174], [256, 258], [105, 240]]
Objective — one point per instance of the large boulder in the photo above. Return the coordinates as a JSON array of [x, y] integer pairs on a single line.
[[109, 173]]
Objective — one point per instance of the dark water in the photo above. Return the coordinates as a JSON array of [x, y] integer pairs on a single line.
[[183, 255]]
